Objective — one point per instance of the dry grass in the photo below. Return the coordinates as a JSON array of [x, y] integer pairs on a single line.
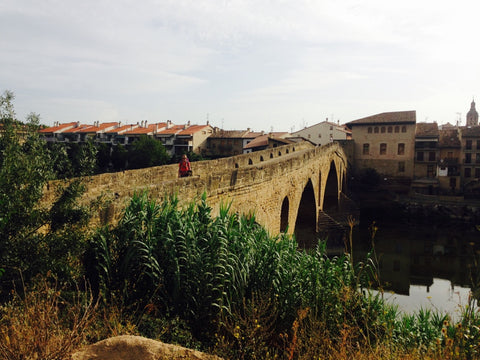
[[48, 323]]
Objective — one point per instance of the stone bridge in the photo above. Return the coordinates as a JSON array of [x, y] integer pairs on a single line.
[[295, 188]]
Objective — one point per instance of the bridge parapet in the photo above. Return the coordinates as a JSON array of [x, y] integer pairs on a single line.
[[258, 181]]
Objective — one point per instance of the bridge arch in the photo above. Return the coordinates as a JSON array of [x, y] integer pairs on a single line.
[[284, 214], [306, 222], [330, 197]]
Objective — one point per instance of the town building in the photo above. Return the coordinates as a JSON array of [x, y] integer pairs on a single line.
[[267, 141], [425, 178], [177, 139], [223, 143], [470, 152], [449, 162], [323, 133], [386, 143]]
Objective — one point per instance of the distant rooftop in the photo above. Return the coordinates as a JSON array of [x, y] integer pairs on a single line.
[[395, 117]]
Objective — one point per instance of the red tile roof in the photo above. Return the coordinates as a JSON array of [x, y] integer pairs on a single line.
[[58, 128], [192, 129], [99, 128], [172, 130], [387, 118], [262, 140]]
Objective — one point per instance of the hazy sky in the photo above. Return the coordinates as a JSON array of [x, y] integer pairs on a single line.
[[262, 64]]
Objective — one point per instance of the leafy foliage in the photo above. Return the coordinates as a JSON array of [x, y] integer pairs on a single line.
[[147, 152], [186, 263], [33, 238]]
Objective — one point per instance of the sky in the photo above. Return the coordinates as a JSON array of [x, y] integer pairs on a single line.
[[259, 64]]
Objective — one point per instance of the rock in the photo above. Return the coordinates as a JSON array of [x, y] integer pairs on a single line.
[[128, 347]]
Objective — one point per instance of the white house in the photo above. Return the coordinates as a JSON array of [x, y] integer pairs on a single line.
[[324, 132]]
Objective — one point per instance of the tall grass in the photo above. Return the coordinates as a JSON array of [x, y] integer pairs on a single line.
[[184, 276]]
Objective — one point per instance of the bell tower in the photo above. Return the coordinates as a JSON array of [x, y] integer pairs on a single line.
[[472, 115]]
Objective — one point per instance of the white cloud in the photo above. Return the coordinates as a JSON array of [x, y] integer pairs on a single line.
[[277, 58]]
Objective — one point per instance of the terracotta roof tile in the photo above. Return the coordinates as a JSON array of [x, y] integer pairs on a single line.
[[471, 131], [426, 130], [192, 129], [100, 127], [449, 138], [59, 128], [387, 118]]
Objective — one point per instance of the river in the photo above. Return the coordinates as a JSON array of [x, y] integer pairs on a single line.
[[422, 266]]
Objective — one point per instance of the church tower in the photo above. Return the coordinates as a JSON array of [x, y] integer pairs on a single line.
[[472, 115]]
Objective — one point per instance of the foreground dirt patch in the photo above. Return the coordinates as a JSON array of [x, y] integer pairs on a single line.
[[130, 347]]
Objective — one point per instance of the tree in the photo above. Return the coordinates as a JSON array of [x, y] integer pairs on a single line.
[[26, 166], [147, 152]]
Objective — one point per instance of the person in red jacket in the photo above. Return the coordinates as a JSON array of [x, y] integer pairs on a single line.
[[184, 168]]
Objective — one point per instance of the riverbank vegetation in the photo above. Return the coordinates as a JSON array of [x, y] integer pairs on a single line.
[[220, 283]]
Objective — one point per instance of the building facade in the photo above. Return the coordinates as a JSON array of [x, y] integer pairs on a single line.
[[323, 133], [386, 143]]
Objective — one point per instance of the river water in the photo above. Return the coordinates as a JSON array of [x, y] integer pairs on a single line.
[[422, 265]]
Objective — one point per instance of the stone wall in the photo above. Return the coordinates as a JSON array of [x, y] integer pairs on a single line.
[[256, 182]]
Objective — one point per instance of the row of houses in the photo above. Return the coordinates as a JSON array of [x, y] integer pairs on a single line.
[[178, 139], [431, 159], [426, 157]]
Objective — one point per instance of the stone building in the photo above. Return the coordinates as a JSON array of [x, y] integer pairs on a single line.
[[425, 178], [449, 161], [386, 143], [470, 149], [223, 143], [323, 133]]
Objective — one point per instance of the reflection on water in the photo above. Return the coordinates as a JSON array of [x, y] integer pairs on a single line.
[[424, 266], [442, 296]]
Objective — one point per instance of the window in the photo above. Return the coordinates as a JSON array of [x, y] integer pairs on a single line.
[[401, 166], [477, 173], [397, 129], [331, 128], [477, 158], [478, 144], [430, 172], [404, 129], [420, 156], [401, 149], [319, 135], [450, 155], [382, 130], [468, 172], [468, 158], [366, 149], [468, 145], [431, 156], [383, 149], [369, 129], [375, 129], [389, 129], [309, 136]]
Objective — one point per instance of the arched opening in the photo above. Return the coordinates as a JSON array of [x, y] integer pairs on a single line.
[[284, 215], [305, 226], [250, 162], [279, 153], [330, 202], [271, 155], [319, 187], [236, 166], [293, 149], [286, 151], [261, 158]]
